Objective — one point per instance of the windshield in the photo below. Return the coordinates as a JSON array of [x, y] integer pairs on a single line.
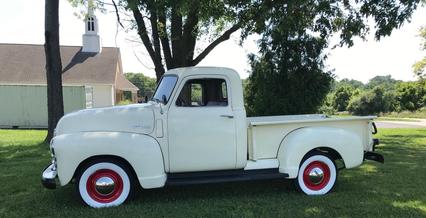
[[165, 88]]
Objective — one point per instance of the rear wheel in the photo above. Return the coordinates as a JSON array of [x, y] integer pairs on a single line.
[[104, 183], [317, 174]]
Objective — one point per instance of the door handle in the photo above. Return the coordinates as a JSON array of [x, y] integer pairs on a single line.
[[228, 116]]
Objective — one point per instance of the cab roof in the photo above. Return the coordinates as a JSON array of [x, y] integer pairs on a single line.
[[188, 71]]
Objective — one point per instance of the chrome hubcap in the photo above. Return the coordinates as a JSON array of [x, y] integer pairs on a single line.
[[316, 175], [105, 185]]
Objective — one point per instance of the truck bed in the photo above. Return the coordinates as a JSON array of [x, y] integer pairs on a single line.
[[266, 133]]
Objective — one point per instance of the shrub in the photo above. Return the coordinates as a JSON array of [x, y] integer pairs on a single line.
[[341, 98], [125, 102], [411, 95], [372, 102]]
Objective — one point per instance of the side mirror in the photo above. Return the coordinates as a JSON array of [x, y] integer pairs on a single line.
[[164, 99]]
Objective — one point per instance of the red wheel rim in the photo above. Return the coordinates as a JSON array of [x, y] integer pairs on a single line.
[[325, 179], [100, 197]]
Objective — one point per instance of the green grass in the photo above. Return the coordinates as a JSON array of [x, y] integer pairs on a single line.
[[397, 119], [394, 189], [125, 102], [421, 113]]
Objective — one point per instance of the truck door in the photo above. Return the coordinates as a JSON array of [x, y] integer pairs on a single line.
[[201, 126]]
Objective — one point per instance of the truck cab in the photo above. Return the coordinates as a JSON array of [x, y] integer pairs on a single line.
[[203, 112], [195, 130]]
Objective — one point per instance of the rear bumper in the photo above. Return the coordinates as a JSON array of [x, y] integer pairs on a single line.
[[48, 177]]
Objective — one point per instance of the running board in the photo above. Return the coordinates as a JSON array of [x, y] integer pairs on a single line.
[[223, 176]]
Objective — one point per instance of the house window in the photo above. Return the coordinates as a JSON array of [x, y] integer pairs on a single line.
[[203, 92]]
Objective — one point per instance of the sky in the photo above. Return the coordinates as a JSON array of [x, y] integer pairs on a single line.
[[22, 22]]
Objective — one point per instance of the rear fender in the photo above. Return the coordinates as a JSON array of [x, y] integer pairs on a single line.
[[298, 143]]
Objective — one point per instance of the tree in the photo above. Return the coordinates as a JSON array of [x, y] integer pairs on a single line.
[[170, 30], [371, 102], [354, 84], [291, 81], [387, 82], [288, 76], [410, 95], [420, 66], [55, 105], [341, 97], [145, 84]]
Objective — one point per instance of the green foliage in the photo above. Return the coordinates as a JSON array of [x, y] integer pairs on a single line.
[[288, 76], [419, 67], [327, 105], [289, 80], [372, 102], [171, 30], [411, 95], [124, 102], [397, 95], [145, 84], [354, 84], [323, 17], [386, 82], [341, 97]]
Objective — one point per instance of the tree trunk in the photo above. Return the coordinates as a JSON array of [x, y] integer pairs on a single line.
[[55, 104], [179, 46]]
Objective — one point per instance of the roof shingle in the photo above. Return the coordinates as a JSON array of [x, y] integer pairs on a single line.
[[25, 64]]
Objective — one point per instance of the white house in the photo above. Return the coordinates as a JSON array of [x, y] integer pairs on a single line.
[[92, 77]]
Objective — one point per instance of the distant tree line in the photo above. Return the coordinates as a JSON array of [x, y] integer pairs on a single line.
[[382, 94], [145, 84]]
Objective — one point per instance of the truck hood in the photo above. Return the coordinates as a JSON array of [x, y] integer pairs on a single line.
[[136, 118]]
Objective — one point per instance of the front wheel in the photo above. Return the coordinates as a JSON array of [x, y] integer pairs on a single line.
[[104, 184], [317, 175]]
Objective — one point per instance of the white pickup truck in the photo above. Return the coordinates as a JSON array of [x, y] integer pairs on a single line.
[[195, 130]]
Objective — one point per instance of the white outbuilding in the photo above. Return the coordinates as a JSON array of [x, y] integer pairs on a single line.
[[92, 77]]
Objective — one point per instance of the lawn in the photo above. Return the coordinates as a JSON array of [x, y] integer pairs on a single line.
[[394, 189], [397, 119], [421, 113]]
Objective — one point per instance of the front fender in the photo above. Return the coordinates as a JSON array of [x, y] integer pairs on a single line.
[[299, 142], [141, 151]]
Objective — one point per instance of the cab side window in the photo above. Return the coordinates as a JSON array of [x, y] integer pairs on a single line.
[[203, 93]]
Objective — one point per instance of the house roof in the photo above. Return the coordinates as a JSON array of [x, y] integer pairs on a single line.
[[25, 64]]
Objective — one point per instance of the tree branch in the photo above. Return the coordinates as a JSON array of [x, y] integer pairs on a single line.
[[117, 14], [176, 35], [143, 33], [165, 41], [225, 36], [156, 40], [190, 32]]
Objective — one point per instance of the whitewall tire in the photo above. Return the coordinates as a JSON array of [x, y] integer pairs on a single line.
[[104, 184], [317, 175]]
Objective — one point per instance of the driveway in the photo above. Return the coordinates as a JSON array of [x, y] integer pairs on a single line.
[[419, 123]]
